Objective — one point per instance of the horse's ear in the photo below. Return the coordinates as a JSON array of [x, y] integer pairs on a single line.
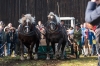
[[23, 15]]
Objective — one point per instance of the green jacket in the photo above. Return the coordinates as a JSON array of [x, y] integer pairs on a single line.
[[77, 34]]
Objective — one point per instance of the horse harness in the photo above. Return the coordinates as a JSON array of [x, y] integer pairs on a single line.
[[26, 34]]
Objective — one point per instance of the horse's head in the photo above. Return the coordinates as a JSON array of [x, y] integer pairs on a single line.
[[52, 25], [53, 21], [27, 23]]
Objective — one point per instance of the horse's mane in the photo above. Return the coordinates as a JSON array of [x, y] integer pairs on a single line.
[[27, 16], [56, 17]]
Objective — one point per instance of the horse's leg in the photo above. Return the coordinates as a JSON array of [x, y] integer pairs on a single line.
[[22, 51], [36, 50], [28, 57], [53, 47], [63, 50], [31, 50], [58, 47], [48, 56]]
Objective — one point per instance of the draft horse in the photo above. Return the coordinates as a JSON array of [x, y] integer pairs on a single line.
[[28, 36], [55, 34]]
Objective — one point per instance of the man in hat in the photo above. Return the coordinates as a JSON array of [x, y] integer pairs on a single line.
[[13, 38], [77, 39]]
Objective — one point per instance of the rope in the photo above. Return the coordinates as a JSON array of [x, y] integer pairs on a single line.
[[2, 46]]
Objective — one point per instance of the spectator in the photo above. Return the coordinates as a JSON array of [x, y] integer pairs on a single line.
[[70, 38], [7, 32], [2, 40], [77, 39], [83, 37], [62, 24], [91, 36], [13, 39], [40, 27]]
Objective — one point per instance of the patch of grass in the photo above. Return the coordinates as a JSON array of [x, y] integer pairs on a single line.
[[83, 61]]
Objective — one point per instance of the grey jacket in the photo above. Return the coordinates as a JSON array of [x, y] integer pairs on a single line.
[[92, 14]]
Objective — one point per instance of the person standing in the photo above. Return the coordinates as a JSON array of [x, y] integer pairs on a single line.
[[70, 33], [92, 16], [77, 40], [13, 39], [2, 40], [91, 36], [40, 27]]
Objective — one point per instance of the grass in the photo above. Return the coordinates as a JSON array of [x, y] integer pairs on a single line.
[[83, 61]]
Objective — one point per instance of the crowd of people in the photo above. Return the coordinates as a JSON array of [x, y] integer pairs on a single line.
[[84, 37], [8, 37]]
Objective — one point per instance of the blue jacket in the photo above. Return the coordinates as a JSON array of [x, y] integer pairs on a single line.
[[92, 14]]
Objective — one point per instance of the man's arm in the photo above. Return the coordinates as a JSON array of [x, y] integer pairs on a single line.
[[92, 13]]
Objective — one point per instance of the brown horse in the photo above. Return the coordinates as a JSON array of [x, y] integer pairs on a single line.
[[28, 35]]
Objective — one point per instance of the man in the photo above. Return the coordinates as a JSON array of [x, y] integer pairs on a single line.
[[70, 33], [92, 16], [77, 40], [40, 27], [2, 40], [83, 37]]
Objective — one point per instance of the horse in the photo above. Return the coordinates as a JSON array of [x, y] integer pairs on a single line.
[[28, 36], [55, 33]]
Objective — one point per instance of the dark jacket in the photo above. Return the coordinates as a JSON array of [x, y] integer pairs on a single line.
[[9, 37], [92, 14], [2, 37]]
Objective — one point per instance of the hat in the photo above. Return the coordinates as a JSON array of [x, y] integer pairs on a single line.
[[12, 28], [78, 25], [5, 29]]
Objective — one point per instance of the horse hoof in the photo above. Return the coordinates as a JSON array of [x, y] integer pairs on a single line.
[[62, 58], [28, 58], [54, 57], [35, 57], [22, 58], [48, 58]]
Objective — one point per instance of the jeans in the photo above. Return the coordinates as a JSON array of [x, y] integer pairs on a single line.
[[82, 40], [8, 48]]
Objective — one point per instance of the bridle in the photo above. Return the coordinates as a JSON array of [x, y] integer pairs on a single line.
[[49, 27], [23, 32]]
